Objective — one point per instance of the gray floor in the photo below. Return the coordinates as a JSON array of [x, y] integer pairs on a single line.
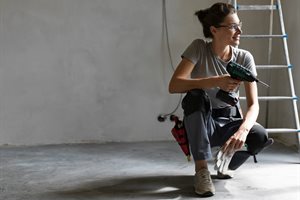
[[156, 170]]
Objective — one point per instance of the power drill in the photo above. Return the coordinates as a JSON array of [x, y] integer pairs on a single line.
[[238, 72]]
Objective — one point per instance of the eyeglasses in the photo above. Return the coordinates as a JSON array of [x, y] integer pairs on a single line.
[[231, 26]]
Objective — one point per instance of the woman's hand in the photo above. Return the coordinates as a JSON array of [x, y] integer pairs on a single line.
[[227, 83], [235, 142]]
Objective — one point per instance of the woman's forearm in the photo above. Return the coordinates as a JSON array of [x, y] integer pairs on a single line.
[[182, 85]]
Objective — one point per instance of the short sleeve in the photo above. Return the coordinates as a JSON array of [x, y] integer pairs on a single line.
[[194, 50], [249, 63]]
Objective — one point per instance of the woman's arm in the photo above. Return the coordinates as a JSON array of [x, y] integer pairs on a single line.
[[181, 81], [236, 141], [252, 106]]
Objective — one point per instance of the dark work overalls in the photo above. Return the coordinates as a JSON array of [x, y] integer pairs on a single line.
[[207, 128]]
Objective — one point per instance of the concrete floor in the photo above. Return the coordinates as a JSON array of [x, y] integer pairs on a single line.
[[156, 170]]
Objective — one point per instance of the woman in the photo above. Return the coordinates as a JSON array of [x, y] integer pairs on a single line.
[[209, 121]]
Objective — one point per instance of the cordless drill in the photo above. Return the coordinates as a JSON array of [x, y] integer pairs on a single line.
[[238, 72]]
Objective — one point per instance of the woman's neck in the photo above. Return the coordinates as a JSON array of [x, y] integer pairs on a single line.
[[222, 51]]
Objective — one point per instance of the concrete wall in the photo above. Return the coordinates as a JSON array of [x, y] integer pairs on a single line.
[[93, 70]]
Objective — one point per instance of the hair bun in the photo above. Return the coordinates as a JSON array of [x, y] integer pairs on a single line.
[[213, 16], [201, 14]]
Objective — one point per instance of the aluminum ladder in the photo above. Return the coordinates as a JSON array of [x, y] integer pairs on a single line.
[[276, 7]]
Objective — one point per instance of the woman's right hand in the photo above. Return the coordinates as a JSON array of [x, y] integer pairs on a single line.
[[228, 84]]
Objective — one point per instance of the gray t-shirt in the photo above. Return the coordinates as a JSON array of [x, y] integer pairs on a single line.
[[208, 64]]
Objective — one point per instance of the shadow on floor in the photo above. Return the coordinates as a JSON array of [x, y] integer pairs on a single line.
[[154, 187]]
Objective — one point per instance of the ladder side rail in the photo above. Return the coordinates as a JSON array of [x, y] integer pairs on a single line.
[[270, 44], [235, 4], [283, 33]]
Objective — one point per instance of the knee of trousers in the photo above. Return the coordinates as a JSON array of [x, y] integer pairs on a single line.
[[256, 139]]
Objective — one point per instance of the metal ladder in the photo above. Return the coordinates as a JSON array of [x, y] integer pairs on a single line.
[[276, 7]]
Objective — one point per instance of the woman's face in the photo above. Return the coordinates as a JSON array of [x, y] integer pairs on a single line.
[[229, 30]]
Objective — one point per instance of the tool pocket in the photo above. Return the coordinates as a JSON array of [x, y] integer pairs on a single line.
[[196, 100]]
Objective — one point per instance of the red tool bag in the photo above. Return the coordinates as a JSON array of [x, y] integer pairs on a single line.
[[179, 133]]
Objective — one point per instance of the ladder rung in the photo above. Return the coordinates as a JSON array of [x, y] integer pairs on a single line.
[[267, 98], [263, 36], [257, 7], [272, 66], [282, 130]]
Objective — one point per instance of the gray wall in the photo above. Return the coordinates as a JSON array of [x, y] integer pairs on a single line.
[[94, 70]]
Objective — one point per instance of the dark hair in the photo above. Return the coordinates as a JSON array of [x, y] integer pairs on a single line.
[[214, 16]]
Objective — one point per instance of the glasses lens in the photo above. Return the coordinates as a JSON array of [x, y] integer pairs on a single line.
[[232, 26], [236, 26]]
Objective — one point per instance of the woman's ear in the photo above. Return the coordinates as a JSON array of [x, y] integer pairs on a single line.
[[213, 30]]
